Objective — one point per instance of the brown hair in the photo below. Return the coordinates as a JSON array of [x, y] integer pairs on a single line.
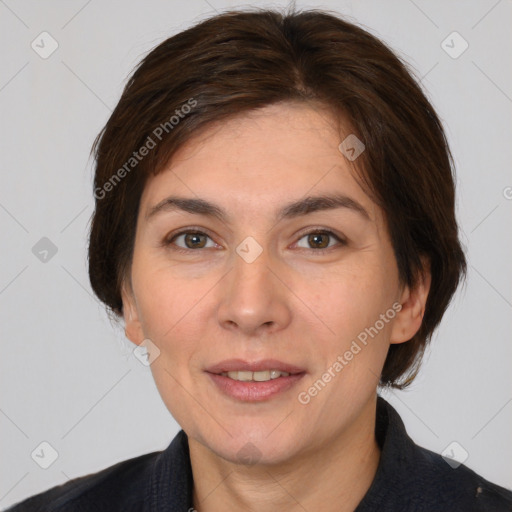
[[238, 61]]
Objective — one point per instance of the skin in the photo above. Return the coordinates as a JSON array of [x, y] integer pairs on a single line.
[[296, 302]]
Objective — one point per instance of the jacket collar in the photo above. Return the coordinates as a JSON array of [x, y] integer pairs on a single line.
[[398, 458], [171, 483]]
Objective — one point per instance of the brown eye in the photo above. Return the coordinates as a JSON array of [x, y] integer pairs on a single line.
[[317, 240], [191, 240], [194, 240]]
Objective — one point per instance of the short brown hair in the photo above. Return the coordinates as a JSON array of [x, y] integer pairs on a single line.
[[243, 60]]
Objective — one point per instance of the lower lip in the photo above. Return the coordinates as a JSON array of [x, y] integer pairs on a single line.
[[252, 391]]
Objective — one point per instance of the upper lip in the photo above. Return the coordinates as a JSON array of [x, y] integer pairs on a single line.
[[231, 365]]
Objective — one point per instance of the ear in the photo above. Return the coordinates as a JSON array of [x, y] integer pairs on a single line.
[[408, 320], [133, 327]]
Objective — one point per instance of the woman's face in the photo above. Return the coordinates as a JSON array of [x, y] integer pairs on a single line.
[[255, 273]]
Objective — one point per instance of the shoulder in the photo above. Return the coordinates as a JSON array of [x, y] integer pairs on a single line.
[[118, 487], [457, 488], [413, 478], [157, 481]]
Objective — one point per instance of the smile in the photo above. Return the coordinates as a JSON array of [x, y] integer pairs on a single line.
[[262, 376]]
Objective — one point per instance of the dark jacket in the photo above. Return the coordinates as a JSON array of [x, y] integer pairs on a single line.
[[408, 478]]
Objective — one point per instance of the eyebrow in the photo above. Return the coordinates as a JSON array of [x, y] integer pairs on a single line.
[[292, 210]]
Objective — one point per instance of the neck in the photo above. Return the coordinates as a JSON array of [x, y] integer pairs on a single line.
[[335, 477]]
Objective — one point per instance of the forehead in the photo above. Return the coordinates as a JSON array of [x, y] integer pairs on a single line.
[[272, 155]]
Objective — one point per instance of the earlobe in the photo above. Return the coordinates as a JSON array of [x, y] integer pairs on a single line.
[[133, 327], [408, 321]]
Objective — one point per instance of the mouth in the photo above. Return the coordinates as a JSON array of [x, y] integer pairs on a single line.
[[254, 381], [262, 376]]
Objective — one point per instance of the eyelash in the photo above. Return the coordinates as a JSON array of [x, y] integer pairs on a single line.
[[195, 231]]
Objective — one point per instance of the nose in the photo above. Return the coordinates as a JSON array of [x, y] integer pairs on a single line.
[[254, 300]]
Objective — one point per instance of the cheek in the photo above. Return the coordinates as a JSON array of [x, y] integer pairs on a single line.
[[166, 297], [170, 310], [349, 299]]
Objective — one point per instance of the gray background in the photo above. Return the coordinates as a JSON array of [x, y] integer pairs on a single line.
[[68, 377]]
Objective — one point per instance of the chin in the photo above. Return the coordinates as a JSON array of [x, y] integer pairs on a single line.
[[260, 452], [250, 445]]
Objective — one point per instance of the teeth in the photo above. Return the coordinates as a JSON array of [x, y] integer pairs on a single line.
[[276, 373], [262, 376], [242, 375]]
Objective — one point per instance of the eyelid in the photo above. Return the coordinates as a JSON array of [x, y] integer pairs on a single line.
[[324, 231], [168, 239]]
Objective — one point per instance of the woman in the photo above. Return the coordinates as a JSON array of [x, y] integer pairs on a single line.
[[275, 224]]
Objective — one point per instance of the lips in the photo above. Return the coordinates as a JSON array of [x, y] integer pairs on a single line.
[[254, 381], [234, 365]]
